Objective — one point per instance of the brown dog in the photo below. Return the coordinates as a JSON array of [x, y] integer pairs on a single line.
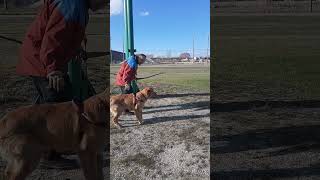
[[30, 131], [131, 102]]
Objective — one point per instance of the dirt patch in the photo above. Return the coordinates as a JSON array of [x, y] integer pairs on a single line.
[[140, 159]]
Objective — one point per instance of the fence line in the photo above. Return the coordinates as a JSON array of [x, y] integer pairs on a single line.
[[267, 6], [168, 53]]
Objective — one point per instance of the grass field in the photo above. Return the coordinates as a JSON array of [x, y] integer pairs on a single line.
[[265, 57], [175, 77]]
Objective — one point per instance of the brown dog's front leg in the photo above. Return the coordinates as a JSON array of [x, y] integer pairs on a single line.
[[100, 166], [89, 164], [138, 113]]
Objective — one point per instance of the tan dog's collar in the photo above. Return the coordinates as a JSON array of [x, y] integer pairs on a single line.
[[137, 98], [98, 124], [143, 97]]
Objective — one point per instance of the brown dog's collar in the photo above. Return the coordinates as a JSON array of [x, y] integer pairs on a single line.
[[98, 124], [78, 105], [82, 115]]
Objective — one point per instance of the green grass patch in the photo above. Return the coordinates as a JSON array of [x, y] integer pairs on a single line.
[[195, 78], [266, 57]]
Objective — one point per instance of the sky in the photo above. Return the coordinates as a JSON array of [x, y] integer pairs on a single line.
[[165, 27]]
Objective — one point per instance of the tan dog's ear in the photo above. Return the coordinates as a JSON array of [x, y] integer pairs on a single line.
[[149, 92]]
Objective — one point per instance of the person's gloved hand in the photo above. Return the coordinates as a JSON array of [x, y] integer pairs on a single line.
[[127, 87], [56, 80]]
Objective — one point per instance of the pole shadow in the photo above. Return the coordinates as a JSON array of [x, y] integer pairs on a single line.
[[248, 105]]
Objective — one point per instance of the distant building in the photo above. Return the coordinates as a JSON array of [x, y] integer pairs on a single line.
[[117, 57], [150, 56]]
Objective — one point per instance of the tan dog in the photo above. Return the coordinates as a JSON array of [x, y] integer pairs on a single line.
[[122, 102], [30, 131]]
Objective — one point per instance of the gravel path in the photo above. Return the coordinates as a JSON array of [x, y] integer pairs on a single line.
[[172, 144]]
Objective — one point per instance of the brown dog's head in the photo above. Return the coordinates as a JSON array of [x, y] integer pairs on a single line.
[[149, 92]]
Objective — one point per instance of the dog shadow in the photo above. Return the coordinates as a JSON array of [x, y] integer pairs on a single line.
[[155, 120], [200, 105], [174, 118], [180, 95], [129, 123]]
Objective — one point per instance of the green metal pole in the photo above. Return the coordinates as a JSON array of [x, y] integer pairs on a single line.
[[79, 82], [125, 39], [130, 19], [128, 25], [129, 37]]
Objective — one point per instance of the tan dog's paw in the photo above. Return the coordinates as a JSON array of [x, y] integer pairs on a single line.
[[117, 125]]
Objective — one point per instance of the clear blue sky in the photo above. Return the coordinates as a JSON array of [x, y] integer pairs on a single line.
[[160, 26]]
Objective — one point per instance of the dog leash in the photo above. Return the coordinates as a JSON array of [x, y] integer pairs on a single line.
[[10, 39], [144, 77]]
